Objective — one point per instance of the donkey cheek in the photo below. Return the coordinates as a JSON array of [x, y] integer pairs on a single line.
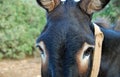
[[83, 64]]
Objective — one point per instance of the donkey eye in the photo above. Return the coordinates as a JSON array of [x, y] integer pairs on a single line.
[[41, 50], [88, 51]]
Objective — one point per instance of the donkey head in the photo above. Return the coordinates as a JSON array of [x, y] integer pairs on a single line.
[[67, 41]]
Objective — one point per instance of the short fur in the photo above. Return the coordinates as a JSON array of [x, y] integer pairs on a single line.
[[68, 27]]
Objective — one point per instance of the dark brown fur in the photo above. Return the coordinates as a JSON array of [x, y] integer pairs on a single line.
[[68, 27]]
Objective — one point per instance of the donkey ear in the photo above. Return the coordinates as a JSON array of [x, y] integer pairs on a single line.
[[91, 6], [49, 5]]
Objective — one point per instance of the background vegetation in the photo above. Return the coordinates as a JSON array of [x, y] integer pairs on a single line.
[[111, 11], [22, 21], [20, 24]]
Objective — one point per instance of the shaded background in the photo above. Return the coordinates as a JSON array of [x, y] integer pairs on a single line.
[[21, 22]]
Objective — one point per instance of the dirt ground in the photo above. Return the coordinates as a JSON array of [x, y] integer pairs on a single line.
[[20, 68]]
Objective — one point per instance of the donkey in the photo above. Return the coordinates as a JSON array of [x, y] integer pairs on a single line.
[[67, 41]]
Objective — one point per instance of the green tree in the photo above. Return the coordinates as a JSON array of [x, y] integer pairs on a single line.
[[112, 11], [20, 23]]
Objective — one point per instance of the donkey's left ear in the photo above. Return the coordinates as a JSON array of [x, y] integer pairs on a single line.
[[91, 6], [49, 5]]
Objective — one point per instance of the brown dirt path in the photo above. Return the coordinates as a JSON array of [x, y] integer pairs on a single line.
[[20, 68]]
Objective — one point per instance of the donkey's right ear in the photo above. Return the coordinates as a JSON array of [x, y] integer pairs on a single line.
[[49, 5], [91, 6]]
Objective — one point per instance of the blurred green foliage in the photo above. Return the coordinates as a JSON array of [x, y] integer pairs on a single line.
[[111, 11], [20, 24], [22, 21]]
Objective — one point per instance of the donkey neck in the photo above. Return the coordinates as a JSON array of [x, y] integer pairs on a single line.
[[112, 41]]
